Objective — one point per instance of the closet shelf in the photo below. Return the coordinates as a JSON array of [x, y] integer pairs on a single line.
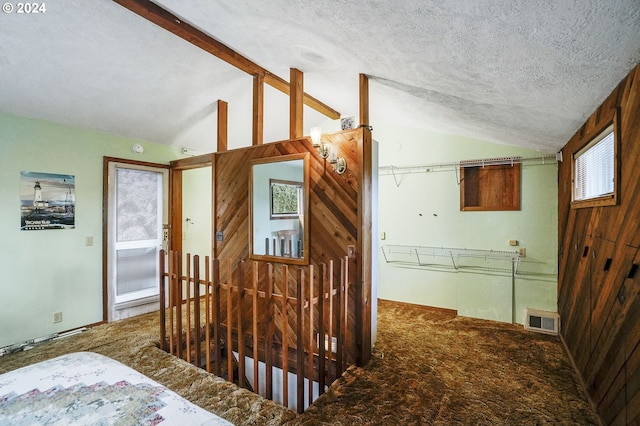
[[457, 258]]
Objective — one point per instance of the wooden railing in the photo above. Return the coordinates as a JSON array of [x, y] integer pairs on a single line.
[[275, 315]]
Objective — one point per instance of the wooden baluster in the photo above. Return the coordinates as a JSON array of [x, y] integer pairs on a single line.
[[300, 340], [330, 321], [229, 323], [322, 285], [341, 321], [163, 313], [196, 309], [312, 342], [241, 360], [285, 336], [207, 313], [187, 306], [217, 349], [178, 302], [172, 297], [256, 352], [345, 324], [269, 336]]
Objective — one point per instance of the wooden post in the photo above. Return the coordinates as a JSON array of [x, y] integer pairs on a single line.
[[256, 352], [207, 312], [341, 320], [364, 258], [241, 363], [217, 349], [258, 109], [285, 336], [364, 100], [300, 340], [229, 323], [196, 309], [322, 286], [223, 118], [296, 104], [330, 321], [178, 300], [187, 306], [270, 331], [312, 343], [163, 307], [172, 347]]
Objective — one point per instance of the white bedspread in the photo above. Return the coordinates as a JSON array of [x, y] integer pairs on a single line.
[[85, 388]]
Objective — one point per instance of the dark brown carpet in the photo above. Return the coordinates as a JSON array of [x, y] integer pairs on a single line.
[[429, 367]]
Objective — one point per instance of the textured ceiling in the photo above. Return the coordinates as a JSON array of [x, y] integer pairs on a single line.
[[515, 72]]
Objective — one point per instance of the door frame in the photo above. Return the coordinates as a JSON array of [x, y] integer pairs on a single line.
[[106, 161]]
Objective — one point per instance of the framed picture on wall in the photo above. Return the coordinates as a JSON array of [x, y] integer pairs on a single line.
[[285, 198], [47, 201]]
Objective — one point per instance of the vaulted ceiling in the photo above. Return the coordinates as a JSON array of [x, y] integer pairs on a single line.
[[515, 72]]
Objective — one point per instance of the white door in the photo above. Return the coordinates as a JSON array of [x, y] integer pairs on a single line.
[[137, 210]]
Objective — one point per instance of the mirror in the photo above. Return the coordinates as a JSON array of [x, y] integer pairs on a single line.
[[278, 209]]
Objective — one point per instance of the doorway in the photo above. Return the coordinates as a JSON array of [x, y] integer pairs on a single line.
[[137, 217]]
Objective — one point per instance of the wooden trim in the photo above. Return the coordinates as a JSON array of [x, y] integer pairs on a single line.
[[258, 110], [609, 199], [223, 119], [582, 384], [175, 210], [191, 162], [296, 104], [305, 259], [170, 22]]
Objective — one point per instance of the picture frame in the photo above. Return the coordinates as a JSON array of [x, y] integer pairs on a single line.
[[285, 198]]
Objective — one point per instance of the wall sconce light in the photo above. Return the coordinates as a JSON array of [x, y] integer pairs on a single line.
[[316, 139], [339, 163], [327, 150]]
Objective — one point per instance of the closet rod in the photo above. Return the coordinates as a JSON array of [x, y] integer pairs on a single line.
[[425, 168]]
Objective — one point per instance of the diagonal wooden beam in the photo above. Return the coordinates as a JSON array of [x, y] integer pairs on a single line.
[[165, 19]]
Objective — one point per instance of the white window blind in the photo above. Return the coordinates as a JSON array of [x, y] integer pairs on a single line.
[[594, 168]]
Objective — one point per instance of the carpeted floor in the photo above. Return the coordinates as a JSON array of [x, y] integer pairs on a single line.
[[429, 367]]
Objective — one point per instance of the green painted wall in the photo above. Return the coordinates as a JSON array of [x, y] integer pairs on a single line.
[[196, 206], [47, 271], [425, 210]]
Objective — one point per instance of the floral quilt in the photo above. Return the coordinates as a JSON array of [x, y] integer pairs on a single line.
[[85, 388]]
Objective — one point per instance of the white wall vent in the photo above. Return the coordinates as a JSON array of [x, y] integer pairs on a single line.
[[541, 321]]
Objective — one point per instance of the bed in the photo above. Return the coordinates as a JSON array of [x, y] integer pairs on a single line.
[[86, 388]]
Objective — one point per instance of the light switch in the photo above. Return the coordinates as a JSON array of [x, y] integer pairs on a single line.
[[88, 241]]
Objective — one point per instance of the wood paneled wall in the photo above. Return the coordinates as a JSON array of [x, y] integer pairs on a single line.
[[340, 215], [598, 283]]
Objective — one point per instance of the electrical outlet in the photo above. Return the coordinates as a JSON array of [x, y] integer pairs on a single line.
[[513, 242], [57, 317], [522, 252]]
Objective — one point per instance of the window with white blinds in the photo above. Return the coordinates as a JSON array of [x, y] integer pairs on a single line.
[[594, 168]]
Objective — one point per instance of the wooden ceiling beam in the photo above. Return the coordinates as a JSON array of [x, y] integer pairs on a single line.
[[165, 19]]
